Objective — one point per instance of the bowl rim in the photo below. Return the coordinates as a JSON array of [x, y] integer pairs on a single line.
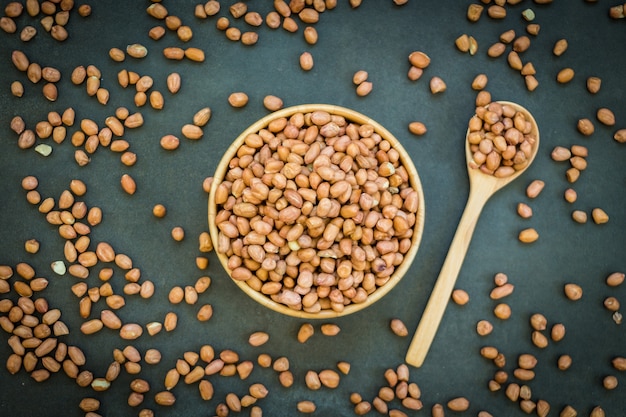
[[414, 180]]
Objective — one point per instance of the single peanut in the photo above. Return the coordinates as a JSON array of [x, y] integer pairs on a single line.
[[305, 332], [128, 184], [560, 47], [238, 99], [484, 327], [573, 291], [502, 311], [534, 188], [528, 235], [460, 297], [606, 116], [306, 61], [458, 404], [565, 75], [398, 327], [258, 338], [599, 216], [474, 11], [437, 85], [594, 84], [417, 128], [330, 329], [615, 279]]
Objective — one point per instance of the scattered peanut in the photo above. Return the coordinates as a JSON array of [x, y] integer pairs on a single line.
[[565, 75], [615, 279], [306, 61], [330, 329], [460, 297], [585, 126], [599, 216], [534, 188], [484, 327], [398, 327], [573, 291], [528, 235], [305, 332]]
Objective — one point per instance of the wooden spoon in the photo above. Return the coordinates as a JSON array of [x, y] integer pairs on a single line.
[[482, 187]]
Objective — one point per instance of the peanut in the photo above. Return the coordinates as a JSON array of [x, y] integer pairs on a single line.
[[417, 128], [272, 103], [484, 327], [565, 75], [458, 404], [130, 331], [568, 411], [579, 216], [521, 44], [560, 47], [194, 54], [460, 297], [164, 398], [502, 291], [419, 59], [329, 378], [496, 50], [398, 328], [615, 279], [502, 311], [128, 184], [597, 412], [474, 11], [573, 291], [619, 363], [605, 116], [173, 82], [524, 210], [599, 216], [329, 329], [620, 136], [462, 43], [564, 362], [496, 12], [170, 322], [479, 82], [437, 85], [137, 50], [258, 338], [528, 235], [560, 153], [594, 84], [306, 407], [238, 99], [192, 131], [364, 88], [169, 143], [306, 61], [534, 188], [305, 332]]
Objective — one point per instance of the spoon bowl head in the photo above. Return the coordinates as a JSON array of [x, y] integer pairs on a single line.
[[504, 146]]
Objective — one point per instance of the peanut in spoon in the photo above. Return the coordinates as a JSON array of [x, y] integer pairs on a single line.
[[484, 182]]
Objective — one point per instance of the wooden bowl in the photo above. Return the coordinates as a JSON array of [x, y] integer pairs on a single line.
[[414, 182]]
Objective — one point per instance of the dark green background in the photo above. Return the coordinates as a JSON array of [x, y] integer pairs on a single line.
[[376, 37]]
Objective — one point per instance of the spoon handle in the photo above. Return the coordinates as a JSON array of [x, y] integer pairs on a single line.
[[444, 285]]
